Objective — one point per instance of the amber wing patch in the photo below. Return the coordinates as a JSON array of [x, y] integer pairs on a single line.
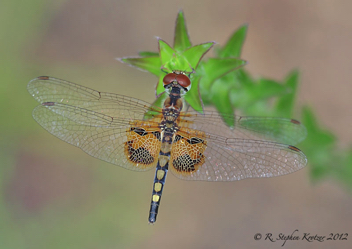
[[143, 143], [187, 152]]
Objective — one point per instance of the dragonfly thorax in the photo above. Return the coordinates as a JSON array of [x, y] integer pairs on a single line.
[[172, 105], [173, 102]]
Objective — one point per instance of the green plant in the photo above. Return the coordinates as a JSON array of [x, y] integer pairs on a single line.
[[228, 89]]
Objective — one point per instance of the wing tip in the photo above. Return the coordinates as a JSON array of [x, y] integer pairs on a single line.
[[294, 148], [43, 78], [33, 81], [294, 121], [303, 156], [48, 103]]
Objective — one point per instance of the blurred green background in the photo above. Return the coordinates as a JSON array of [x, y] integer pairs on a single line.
[[53, 195]]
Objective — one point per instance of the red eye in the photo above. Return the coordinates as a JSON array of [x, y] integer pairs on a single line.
[[169, 78], [183, 80]]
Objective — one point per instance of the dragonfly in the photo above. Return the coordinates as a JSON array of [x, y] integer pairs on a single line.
[[140, 136]]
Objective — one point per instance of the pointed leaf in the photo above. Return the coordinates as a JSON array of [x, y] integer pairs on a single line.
[[270, 88], [166, 52], [160, 86], [242, 97], [178, 63], [150, 64], [214, 68], [316, 136], [196, 53], [171, 60], [234, 45], [285, 104], [147, 54], [259, 108], [193, 97], [222, 102], [244, 77], [181, 39]]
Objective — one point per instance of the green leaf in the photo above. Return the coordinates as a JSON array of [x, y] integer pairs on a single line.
[[222, 102], [215, 68], [172, 60], [196, 53], [166, 52], [234, 45], [344, 172], [241, 97], [260, 108], [150, 64], [319, 146], [270, 88], [193, 97], [252, 96], [316, 136], [285, 104], [181, 38], [148, 54], [160, 86], [244, 77]]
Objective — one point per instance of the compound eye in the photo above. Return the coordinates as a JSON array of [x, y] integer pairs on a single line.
[[183, 80], [169, 78]]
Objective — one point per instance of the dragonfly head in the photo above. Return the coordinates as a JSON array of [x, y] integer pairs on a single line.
[[177, 79]]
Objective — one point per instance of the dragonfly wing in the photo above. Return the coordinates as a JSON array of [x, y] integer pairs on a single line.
[[281, 130], [49, 89], [231, 159], [107, 138]]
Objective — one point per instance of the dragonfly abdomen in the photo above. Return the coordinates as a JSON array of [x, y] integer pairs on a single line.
[[158, 186]]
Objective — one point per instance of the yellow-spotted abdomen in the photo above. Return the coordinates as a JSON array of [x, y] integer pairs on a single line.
[[158, 185]]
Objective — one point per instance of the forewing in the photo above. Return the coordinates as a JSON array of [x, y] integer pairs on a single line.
[[281, 130], [49, 89]]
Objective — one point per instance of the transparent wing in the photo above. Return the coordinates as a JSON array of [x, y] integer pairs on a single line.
[[98, 135], [235, 159], [49, 89], [281, 130], [96, 122]]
